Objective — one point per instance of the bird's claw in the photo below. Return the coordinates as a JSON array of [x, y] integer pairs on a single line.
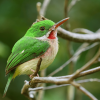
[[32, 75]]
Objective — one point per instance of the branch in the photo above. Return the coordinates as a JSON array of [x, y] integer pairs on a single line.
[[78, 37], [57, 86], [78, 86], [64, 81], [56, 80]]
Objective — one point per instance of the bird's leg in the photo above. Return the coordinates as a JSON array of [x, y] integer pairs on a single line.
[[35, 73], [31, 76]]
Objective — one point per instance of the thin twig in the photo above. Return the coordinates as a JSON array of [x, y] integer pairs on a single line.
[[41, 93], [71, 59], [66, 13], [24, 90], [86, 31], [78, 86], [78, 37], [42, 10], [65, 7], [44, 7], [38, 6], [38, 67], [73, 2], [84, 73]]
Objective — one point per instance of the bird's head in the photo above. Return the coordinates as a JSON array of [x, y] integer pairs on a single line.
[[44, 29]]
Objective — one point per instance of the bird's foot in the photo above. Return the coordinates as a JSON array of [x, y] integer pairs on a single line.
[[32, 75], [32, 70]]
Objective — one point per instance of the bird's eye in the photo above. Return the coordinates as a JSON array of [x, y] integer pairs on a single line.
[[42, 28]]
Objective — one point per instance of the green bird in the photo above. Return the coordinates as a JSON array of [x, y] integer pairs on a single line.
[[40, 41]]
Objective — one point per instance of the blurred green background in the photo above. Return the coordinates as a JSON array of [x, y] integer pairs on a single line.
[[16, 16]]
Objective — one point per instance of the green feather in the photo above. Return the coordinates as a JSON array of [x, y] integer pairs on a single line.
[[8, 83], [35, 31], [25, 49]]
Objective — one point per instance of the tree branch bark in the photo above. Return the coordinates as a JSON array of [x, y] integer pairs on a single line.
[[56, 80], [78, 37]]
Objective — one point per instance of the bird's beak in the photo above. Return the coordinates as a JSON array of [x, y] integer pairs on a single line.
[[55, 26]]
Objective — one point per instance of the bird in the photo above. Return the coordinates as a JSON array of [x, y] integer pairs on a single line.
[[40, 41]]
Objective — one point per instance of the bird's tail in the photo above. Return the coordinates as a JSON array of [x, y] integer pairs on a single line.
[[8, 83]]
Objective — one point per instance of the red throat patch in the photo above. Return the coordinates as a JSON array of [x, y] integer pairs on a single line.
[[52, 35]]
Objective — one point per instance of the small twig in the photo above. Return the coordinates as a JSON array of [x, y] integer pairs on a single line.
[[78, 86], [73, 2], [57, 86], [84, 73], [41, 93], [24, 90], [38, 6], [44, 7], [83, 46], [42, 10], [71, 59], [78, 37], [87, 72], [98, 60], [65, 7], [38, 67], [66, 13]]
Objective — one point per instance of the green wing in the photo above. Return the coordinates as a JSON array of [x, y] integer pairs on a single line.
[[24, 50]]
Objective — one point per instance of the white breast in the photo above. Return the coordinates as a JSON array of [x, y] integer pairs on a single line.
[[47, 59]]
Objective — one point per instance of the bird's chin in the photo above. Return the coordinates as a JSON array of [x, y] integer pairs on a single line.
[[53, 34]]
